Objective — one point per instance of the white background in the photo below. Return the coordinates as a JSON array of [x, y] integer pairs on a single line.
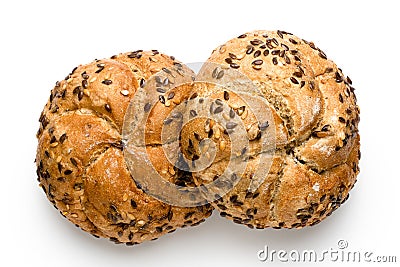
[[41, 41]]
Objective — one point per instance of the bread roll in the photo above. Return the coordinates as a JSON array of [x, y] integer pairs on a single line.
[[80, 159], [283, 120], [315, 119]]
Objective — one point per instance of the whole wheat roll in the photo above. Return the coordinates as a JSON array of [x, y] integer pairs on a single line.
[[80, 159], [316, 117]]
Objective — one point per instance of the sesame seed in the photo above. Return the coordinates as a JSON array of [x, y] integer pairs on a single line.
[[322, 55], [166, 70], [312, 85], [328, 70], [124, 92], [171, 95], [275, 52], [325, 128], [298, 74], [232, 56], [231, 125], [178, 65], [177, 115], [108, 108], [293, 41], [59, 167], [287, 59], [275, 61], [220, 74], [74, 162], [222, 145], [147, 107], [257, 53], [63, 138], [219, 109], [266, 52], [269, 45], [142, 83], [242, 36], [107, 82], [168, 121], [85, 75], [100, 66], [161, 90], [193, 113], [240, 110], [263, 126], [231, 113], [233, 198], [170, 214], [249, 50], [85, 84], [294, 80], [256, 42], [228, 60], [226, 95], [249, 195], [257, 62], [133, 203], [244, 150], [234, 66], [193, 96], [338, 77], [312, 45], [285, 47], [54, 144], [221, 207], [214, 73], [80, 95], [341, 98], [161, 99]]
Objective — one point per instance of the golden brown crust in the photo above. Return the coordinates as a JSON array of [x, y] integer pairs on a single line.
[[317, 140], [80, 161], [285, 79], [80, 157]]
